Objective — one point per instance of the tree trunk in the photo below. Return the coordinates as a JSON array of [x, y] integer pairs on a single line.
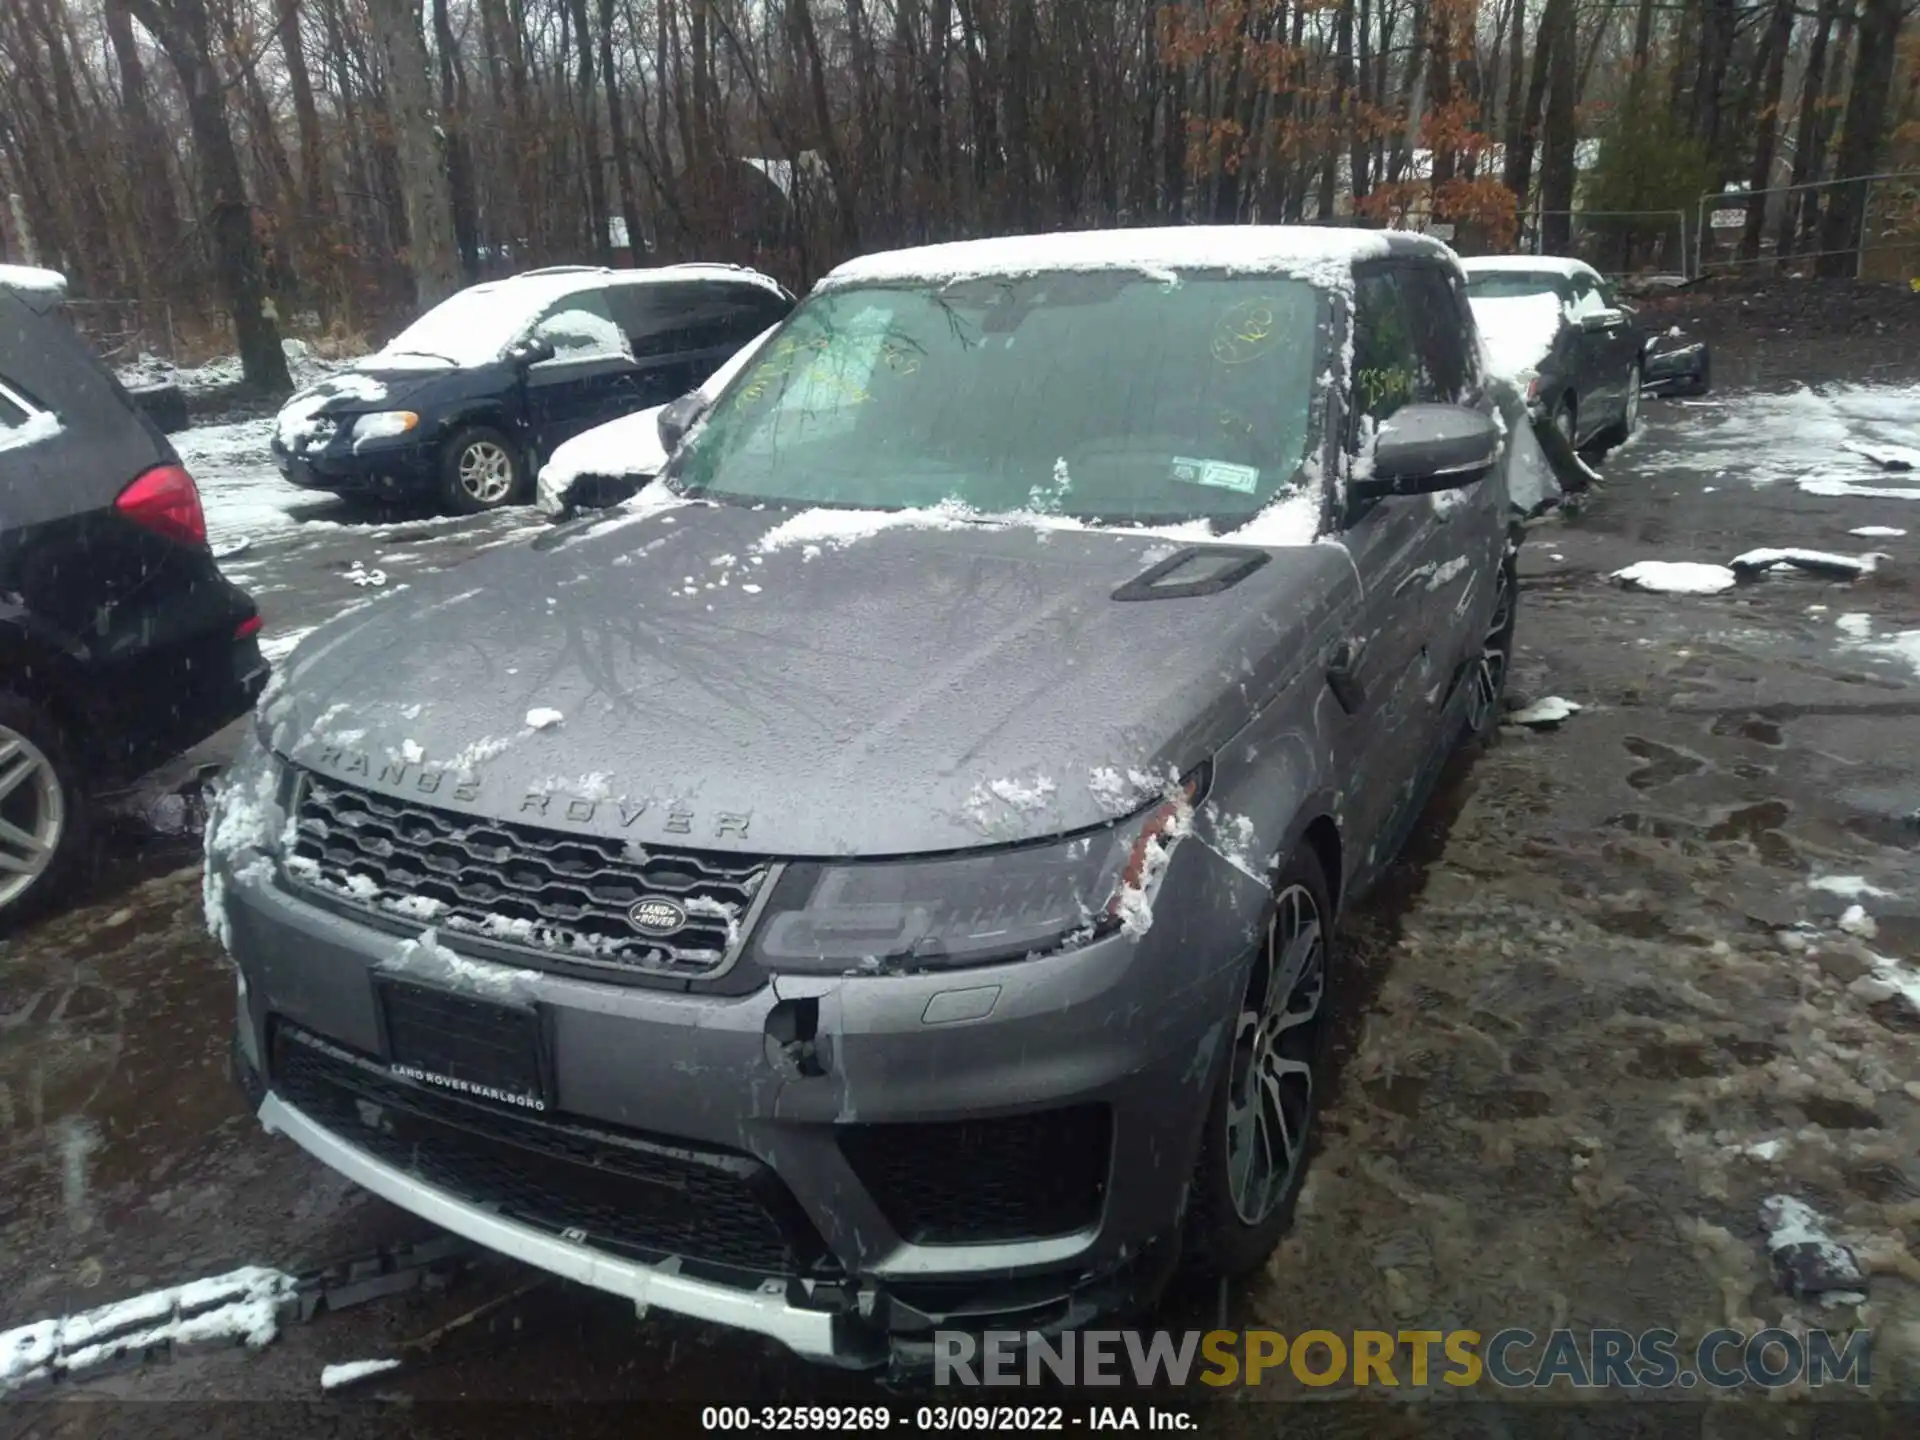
[[1561, 140], [1862, 136], [617, 136], [159, 211], [181, 28], [418, 144], [453, 108], [807, 42], [1800, 214], [1773, 79], [1523, 129]]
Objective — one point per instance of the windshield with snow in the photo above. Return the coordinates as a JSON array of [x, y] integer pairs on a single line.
[[472, 327], [1104, 396], [1509, 284]]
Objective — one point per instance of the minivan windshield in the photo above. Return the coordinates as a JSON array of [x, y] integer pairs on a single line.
[[472, 327], [1102, 396]]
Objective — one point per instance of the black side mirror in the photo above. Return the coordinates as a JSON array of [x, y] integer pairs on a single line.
[[530, 350], [678, 418], [1421, 449]]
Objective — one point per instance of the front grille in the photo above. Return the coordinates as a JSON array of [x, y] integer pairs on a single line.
[[618, 1190], [541, 891], [969, 1182]]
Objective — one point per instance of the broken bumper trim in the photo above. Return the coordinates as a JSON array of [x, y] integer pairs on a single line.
[[813, 1334]]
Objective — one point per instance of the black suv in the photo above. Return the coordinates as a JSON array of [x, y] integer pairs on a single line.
[[470, 398], [121, 644]]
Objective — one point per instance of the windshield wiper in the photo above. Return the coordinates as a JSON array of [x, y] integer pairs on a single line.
[[428, 354]]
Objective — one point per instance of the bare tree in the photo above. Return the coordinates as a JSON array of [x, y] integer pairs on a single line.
[[421, 146]]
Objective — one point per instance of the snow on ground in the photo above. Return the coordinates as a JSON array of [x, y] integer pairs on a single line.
[[1516, 332], [1878, 532], [243, 1305], [1828, 441], [1550, 710], [223, 373], [1677, 577], [334, 1376]]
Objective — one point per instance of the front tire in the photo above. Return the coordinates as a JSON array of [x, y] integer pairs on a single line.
[[1253, 1153], [481, 469], [42, 810]]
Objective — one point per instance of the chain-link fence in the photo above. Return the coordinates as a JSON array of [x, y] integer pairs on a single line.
[[1886, 245]]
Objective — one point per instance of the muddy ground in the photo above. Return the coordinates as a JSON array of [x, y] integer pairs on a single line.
[[1593, 1017]]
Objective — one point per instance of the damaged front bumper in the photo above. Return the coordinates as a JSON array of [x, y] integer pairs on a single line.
[[863, 1159]]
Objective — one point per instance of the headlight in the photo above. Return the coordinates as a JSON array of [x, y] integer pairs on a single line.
[[384, 424], [972, 909]]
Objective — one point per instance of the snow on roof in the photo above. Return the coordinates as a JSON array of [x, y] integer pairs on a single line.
[[1526, 265], [1320, 255], [473, 326], [30, 280]]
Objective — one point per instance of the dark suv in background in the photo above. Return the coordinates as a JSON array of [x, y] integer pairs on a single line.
[[121, 644], [467, 401]]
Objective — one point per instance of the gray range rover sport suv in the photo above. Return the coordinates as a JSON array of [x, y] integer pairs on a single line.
[[883, 876]]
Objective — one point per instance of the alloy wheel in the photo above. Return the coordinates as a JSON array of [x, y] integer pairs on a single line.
[[1270, 1088], [1490, 671], [32, 814], [486, 471]]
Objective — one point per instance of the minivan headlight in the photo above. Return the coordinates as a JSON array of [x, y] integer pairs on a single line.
[[972, 909], [384, 424]]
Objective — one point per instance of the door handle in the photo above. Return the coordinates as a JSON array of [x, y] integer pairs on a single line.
[[1343, 662]]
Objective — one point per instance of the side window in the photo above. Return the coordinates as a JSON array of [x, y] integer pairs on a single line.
[[1586, 296], [1434, 315], [13, 410], [1407, 345], [21, 421], [581, 327], [1384, 363], [667, 319]]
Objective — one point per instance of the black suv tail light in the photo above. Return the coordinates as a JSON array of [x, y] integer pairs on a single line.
[[165, 501]]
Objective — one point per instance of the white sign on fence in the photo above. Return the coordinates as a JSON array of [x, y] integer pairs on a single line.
[[1729, 219]]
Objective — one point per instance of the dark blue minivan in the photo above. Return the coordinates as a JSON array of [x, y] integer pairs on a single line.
[[466, 402]]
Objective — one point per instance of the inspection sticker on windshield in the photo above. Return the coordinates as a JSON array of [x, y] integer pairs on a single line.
[[1217, 473]]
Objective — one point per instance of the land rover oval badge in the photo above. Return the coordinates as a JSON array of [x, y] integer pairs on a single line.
[[657, 915]]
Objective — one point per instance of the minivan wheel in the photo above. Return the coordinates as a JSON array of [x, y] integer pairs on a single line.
[[42, 814], [480, 469], [1253, 1152]]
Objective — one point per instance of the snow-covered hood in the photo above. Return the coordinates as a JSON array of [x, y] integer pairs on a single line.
[[668, 678], [357, 390], [1518, 332]]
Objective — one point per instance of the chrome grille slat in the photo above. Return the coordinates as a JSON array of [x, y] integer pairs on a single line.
[[542, 892]]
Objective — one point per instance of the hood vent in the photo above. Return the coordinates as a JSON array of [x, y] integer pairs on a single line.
[[1196, 570]]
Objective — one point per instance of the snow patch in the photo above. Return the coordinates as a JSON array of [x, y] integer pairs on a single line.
[[1677, 577], [1847, 886], [40, 426], [1855, 624], [1516, 332], [1320, 256], [1550, 710], [1877, 532], [334, 1376], [542, 718], [242, 1305]]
